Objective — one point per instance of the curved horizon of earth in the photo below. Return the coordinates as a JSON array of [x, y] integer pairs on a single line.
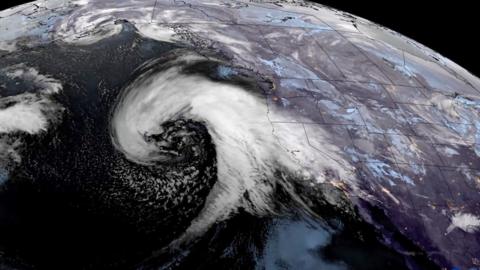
[[164, 134]]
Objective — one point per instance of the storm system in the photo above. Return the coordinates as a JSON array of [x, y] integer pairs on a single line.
[[231, 135]]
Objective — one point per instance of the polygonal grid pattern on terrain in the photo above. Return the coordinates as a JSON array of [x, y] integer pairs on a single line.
[[376, 92]]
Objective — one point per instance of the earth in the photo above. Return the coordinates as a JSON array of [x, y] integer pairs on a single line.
[[164, 134]]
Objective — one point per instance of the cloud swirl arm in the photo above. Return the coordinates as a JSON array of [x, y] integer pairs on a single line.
[[159, 115]]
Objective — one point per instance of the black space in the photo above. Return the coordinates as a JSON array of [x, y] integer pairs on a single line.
[[445, 26]]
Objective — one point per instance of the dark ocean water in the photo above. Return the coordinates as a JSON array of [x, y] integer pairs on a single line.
[[68, 206]]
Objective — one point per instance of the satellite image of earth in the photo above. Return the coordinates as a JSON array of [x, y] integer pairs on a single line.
[[215, 134]]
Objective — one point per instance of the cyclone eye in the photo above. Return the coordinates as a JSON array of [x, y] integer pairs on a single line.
[[209, 135], [178, 141]]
